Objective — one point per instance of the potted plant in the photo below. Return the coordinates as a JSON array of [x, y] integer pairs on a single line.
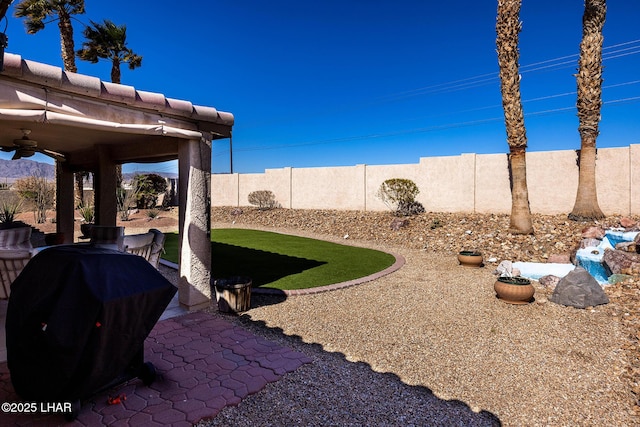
[[470, 258], [514, 289], [87, 213]]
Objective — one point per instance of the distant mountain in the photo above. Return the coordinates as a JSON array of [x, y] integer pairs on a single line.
[[11, 170]]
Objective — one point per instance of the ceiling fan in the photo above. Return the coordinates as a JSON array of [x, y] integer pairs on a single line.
[[25, 147]]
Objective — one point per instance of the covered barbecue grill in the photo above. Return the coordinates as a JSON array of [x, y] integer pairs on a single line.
[[77, 320]]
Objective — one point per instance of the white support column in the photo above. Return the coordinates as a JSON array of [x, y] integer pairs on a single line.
[[194, 288]]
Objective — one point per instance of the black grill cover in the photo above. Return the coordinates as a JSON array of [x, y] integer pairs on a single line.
[[77, 318]]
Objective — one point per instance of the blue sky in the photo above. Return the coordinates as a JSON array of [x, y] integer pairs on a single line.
[[337, 83]]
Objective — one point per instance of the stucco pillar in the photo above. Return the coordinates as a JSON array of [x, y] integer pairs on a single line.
[[106, 207], [64, 202], [194, 159]]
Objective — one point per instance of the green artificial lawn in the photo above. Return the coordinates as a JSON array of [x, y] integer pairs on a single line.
[[280, 261]]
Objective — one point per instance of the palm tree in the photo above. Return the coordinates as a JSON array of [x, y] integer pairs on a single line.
[[508, 27], [36, 11], [4, 5], [589, 103], [108, 41]]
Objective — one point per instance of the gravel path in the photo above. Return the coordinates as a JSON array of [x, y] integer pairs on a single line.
[[431, 345]]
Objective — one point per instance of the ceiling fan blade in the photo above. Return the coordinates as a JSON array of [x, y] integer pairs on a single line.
[[8, 149], [23, 152], [57, 156]]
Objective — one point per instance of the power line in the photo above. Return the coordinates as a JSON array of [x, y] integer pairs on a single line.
[[427, 129]]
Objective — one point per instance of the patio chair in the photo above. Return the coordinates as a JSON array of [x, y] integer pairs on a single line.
[[147, 245], [107, 237], [15, 238], [11, 264]]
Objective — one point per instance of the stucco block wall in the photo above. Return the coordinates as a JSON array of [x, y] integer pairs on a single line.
[[464, 183], [552, 181], [328, 188], [224, 189], [492, 190], [634, 178]]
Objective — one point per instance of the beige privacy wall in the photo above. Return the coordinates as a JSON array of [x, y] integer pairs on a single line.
[[464, 183]]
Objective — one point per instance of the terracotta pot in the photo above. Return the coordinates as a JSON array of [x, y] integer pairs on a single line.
[[470, 259], [514, 290]]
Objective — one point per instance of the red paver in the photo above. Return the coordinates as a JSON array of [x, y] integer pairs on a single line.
[[204, 363]]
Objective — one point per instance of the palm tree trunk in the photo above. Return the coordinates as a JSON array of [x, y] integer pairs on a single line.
[[520, 221], [115, 71], [589, 104], [66, 41], [507, 28], [586, 206], [79, 188]]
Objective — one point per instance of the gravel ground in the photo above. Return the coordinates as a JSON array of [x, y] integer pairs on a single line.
[[430, 344]]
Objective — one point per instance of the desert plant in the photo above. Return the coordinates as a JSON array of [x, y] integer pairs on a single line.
[[124, 200], [153, 213], [399, 195], [39, 192], [87, 212], [263, 199], [8, 211]]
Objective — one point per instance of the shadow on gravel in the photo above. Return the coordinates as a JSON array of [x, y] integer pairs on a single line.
[[335, 391]]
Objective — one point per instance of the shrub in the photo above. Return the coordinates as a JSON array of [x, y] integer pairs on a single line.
[[263, 199], [147, 188], [409, 208], [400, 196]]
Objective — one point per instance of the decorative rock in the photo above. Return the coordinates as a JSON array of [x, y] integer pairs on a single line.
[[505, 268], [579, 289], [617, 278], [549, 281], [588, 243], [398, 223], [627, 246], [627, 222], [593, 232], [237, 211], [620, 262], [559, 258]]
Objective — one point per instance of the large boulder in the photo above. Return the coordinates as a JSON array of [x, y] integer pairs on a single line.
[[579, 289], [621, 262]]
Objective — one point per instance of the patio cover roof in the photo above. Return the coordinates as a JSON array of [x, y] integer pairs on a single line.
[[73, 113]]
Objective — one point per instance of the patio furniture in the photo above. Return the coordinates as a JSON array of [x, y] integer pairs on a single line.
[[11, 264], [148, 245], [15, 238], [85, 330], [104, 236]]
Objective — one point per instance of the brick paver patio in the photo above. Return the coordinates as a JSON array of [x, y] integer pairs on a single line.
[[204, 363]]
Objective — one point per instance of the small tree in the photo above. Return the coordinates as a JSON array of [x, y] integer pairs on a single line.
[[147, 188], [400, 196], [39, 193], [263, 199]]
